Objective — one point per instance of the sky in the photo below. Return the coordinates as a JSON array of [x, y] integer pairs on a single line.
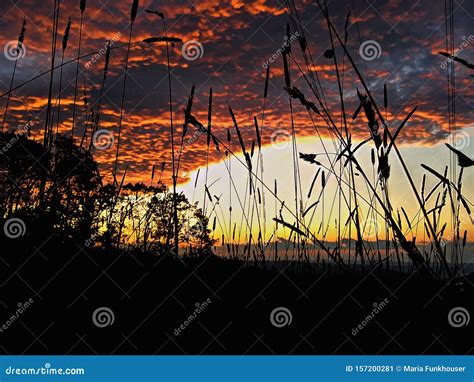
[[235, 40]]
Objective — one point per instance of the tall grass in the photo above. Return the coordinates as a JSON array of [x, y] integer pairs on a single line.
[[363, 194], [133, 15], [18, 50], [64, 46], [82, 8]]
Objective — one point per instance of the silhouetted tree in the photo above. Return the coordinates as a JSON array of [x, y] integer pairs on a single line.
[[76, 205]]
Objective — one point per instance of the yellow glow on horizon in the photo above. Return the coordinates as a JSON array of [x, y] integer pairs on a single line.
[[326, 215]]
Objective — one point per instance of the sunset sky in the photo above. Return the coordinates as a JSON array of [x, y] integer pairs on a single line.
[[238, 37]]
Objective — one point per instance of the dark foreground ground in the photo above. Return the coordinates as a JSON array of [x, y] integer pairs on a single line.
[[149, 298]]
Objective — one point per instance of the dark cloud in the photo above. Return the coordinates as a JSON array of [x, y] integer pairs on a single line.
[[238, 37]]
